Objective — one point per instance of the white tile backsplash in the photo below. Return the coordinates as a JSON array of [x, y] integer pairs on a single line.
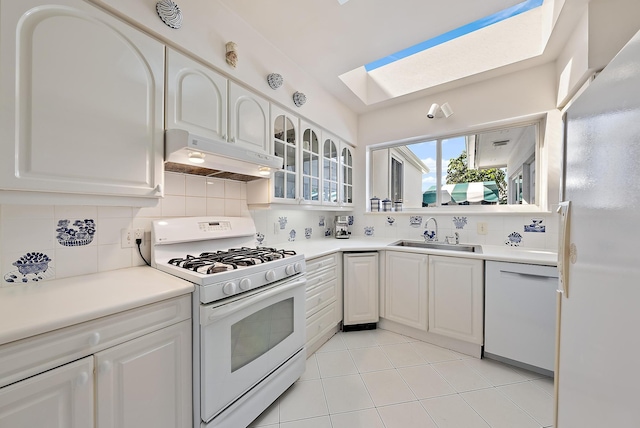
[[28, 228]]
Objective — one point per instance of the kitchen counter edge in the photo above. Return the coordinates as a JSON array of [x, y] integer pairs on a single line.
[[37, 308], [317, 248]]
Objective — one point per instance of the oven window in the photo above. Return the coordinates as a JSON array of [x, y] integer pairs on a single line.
[[254, 335]]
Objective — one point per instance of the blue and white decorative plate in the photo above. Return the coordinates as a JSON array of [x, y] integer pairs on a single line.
[[274, 80], [299, 99], [170, 13]]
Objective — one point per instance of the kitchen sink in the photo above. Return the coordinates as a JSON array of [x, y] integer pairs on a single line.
[[469, 248]]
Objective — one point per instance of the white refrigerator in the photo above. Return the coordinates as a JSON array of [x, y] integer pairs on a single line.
[[598, 366]]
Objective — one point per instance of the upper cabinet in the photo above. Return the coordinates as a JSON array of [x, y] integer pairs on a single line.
[[196, 97], [248, 119], [330, 166], [346, 174], [310, 163], [285, 146], [82, 96]]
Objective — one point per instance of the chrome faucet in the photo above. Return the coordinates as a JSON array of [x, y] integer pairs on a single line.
[[434, 236]]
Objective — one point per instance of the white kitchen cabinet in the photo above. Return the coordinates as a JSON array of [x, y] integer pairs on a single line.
[[284, 127], [82, 103], [142, 375], [58, 398], [330, 168], [310, 149], [346, 174], [323, 299], [406, 288], [456, 298], [196, 97], [361, 289], [146, 381], [248, 119]]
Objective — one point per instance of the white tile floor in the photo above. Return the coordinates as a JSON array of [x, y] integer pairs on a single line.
[[379, 379]]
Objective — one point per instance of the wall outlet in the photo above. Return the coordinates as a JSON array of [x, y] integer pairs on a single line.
[[138, 234], [483, 228], [126, 238], [276, 228]]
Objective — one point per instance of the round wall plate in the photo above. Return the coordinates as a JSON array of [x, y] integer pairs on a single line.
[[170, 13]]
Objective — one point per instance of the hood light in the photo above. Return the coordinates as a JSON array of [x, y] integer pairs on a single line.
[[196, 157], [264, 170]]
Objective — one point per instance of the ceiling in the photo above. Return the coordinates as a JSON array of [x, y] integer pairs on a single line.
[[327, 39]]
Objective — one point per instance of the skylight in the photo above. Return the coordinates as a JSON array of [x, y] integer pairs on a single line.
[[458, 32]]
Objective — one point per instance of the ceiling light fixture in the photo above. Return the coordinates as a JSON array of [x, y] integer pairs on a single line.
[[196, 157], [446, 110], [435, 109]]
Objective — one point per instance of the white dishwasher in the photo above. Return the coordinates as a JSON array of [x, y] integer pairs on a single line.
[[520, 314]]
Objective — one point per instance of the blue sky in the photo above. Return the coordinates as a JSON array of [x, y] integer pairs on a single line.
[[451, 148], [458, 32]]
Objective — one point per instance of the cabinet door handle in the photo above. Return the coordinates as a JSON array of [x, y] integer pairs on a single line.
[[158, 189], [105, 367], [94, 339], [82, 379]]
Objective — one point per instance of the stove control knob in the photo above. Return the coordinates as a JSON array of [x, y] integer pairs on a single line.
[[229, 288], [298, 267], [270, 275], [290, 270], [245, 284]]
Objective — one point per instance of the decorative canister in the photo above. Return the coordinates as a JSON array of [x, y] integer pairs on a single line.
[[397, 206], [386, 204], [375, 204]]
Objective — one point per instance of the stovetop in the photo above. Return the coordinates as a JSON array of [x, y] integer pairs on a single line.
[[219, 255]]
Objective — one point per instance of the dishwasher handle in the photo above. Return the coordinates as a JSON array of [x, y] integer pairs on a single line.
[[527, 274]]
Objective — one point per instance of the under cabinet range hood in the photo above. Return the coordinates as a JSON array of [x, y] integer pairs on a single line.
[[189, 153]]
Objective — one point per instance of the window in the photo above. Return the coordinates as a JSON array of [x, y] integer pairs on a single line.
[[397, 179], [495, 167]]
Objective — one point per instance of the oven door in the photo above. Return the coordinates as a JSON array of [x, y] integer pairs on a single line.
[[242, 341]]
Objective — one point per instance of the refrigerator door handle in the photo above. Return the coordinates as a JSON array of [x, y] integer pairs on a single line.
[[564, 247]]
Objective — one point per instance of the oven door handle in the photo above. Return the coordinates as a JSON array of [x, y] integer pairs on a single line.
[[210, 314]]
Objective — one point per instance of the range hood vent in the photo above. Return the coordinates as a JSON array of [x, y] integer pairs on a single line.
[[191, 154]]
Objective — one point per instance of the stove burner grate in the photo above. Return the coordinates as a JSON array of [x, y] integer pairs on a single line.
[[222, 261]]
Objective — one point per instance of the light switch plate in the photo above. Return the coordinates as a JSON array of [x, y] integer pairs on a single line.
[[483, 228]]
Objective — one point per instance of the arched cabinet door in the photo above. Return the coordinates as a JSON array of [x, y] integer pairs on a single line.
[[82, 102], [196, 97], [285, 146], [330, 167], [248, 119], [310, 149], [346, 175]]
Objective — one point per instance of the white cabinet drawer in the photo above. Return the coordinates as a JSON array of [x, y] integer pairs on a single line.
[[320, 323], [321, 277], [318, 263], [27, 357], [321, 296]]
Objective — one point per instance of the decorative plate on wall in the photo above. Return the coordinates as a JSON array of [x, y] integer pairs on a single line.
[[299, 99], [170, 13]]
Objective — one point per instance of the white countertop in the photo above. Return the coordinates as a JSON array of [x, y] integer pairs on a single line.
[[27, 310], [319, 247]]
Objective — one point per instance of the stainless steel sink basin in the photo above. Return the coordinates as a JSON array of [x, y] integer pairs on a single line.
[[469, 248]]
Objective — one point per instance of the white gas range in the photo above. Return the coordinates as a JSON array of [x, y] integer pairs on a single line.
[[248, 314]]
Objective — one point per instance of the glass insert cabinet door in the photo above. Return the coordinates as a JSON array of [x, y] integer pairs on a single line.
[[329, 171], [310, 149], [285, 147], [346, 161]]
